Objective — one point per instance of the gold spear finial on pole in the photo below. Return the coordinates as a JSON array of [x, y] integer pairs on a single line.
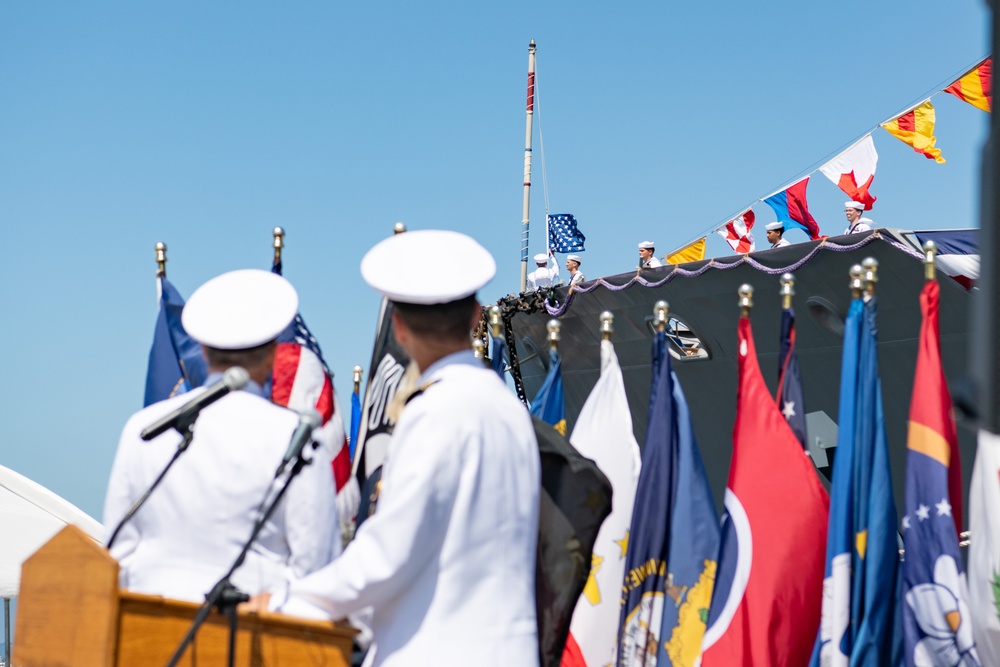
[[161, 259], [660, 310], [479, 347], [357, 379], [787, 290], [746, 299], [870, 266], [857, 280], [496, 322], [930, 260], [555, 333], [398, 228], [279, 243], [607, 324]]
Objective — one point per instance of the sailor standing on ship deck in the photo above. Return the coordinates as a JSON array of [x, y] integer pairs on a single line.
[[647, 255], [856, 224], [544, 276], [191, 529], [775, 234], [447, 562], [573, 266]]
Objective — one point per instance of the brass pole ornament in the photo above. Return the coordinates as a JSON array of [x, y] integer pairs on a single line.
[[607, 325], [398, 228], [930, 260], [479, 347], [357, 379], [857, 280], [787, 290], [660, 310], [495, 321], [746, 299], [161, 259], [870, 266], [555, 333], [279, 243]]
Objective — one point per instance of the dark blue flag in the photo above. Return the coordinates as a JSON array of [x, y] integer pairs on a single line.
[[791, 401], [563, 233], [875, 558], [355, 422], [549, 405], [649, 531], [175, 360], [497, 356]]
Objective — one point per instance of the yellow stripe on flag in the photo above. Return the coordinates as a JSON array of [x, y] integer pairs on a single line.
[[693, 252], [916, 129], [927, 441]]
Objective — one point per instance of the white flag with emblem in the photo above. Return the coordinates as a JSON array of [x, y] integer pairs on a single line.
[[603, 433], [984, 548]]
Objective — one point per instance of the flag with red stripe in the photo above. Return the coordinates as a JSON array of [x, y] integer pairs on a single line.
[[975, 86], [737, 232], [916, 128], [854, 170]]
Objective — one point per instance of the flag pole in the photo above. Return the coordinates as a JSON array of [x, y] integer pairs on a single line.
[[161, 259], [746, 299], [357, 379], [607, 325], [530, 110]]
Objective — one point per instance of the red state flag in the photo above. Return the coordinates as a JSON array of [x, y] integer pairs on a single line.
[[769, 586]]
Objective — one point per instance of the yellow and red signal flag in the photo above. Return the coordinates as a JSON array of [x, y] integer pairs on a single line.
[[916, 128], [975, 86]]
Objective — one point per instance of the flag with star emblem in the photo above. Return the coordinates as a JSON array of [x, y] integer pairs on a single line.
[[549, 405], [790, 399], [175, 360], [984, 548], [766, 604], [564, 236], [937, 620], [673, 535], [603, 433]]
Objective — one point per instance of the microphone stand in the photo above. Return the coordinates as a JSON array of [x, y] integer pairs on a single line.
[[224, 595], [184, 426]]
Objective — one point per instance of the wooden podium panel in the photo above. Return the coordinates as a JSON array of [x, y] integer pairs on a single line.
[[71, 613]]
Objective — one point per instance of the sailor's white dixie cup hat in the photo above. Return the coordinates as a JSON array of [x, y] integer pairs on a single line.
[[240, 309], [647, 245], [855, 205], [541, 258], [419, 267], [574, 258], [774, 226]]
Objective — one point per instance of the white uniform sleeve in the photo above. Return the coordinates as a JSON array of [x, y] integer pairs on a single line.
[[554, 271], [419, 484], [119, 497]]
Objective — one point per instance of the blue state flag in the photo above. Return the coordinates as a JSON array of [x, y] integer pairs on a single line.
[[693, 548], [646, 556], [564, 236], [834, 641], [875, 561], [175, 360], [549, 405], [791, 400], [355, 422], [497, 356]]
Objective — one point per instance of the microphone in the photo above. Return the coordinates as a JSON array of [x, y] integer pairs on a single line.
[[309, 421], [233, 379]]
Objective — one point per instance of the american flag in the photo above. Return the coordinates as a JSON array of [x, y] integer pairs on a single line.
[[563, 234]]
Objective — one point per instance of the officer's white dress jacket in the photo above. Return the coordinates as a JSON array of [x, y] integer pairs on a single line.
[[448, 560], [191, 529]]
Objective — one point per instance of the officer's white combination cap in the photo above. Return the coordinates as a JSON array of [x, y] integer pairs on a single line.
[[574, 258], [855, 205], [647, 245], [774, 226], [541, 258], [240, 309], [419, 267]]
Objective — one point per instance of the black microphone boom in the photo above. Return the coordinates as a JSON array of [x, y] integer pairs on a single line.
[[233, 379], [309, 421]]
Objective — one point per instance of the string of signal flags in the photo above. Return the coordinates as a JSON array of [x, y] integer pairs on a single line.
[[669, 582]]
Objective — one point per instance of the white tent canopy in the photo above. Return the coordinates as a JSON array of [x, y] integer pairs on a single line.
[[30, 515]]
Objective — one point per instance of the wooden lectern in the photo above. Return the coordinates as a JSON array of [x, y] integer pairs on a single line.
[[71, 613]]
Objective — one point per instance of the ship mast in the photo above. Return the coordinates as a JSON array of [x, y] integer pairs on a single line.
[[530, 110]]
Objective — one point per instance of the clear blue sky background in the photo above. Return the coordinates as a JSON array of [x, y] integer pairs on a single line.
[[204, 125]]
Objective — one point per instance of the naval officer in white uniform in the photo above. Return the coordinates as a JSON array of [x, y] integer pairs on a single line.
[[447, 562], [545, 275], [191, 529]]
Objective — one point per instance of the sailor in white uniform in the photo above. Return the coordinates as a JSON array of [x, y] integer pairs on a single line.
[[191, 529], [447, 562], [855, 223], [573, 263], [647, 255], [775, 234], [544, 276]]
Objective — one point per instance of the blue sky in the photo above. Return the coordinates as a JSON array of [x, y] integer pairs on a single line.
[[204, 125]]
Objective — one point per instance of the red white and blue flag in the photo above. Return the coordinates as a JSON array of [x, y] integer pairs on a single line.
[[791, 208], [766, 603]]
